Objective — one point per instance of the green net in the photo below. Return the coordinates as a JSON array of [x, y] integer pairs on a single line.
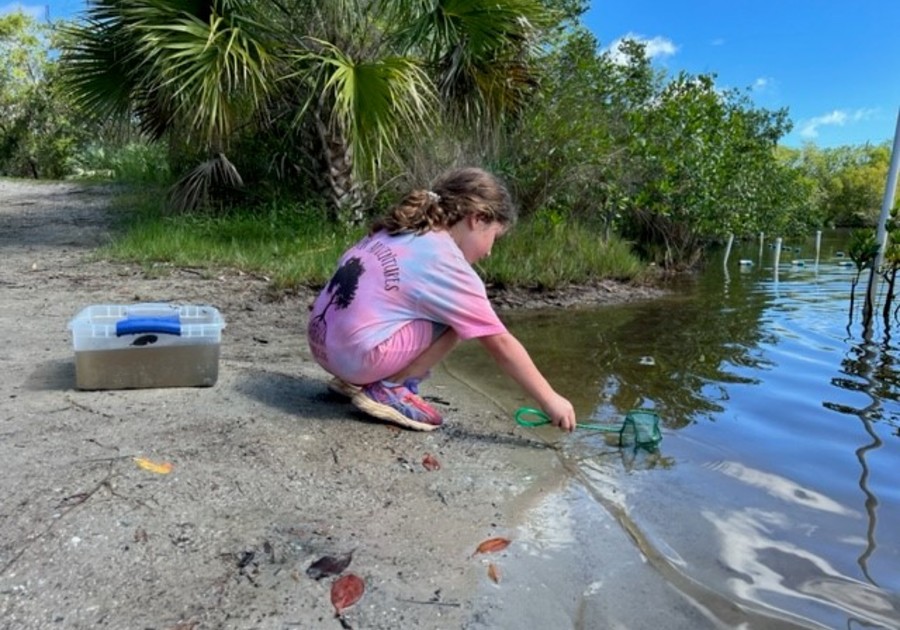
[[639, 428]]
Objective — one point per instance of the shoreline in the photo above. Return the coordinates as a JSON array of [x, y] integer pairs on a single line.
[[269, 470]]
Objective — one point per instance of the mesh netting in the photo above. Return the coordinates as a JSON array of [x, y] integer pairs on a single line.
[[639, 428]]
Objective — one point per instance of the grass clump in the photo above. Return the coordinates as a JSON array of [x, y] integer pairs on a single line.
[[140, 163], [537, 255], [295, 245]]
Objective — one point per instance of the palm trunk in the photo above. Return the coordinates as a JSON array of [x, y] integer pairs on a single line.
[[344, 190]]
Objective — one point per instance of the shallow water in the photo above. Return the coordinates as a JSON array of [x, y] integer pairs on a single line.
[[777, 484]]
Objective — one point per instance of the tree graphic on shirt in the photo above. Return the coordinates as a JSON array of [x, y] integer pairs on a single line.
[[343, 284], [342, 288]]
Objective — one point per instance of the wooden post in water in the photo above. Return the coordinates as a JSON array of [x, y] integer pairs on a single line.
[[887, 205]]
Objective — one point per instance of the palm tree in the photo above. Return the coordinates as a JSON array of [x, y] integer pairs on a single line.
[[380, 73], [359, 96], [369, 76], [188, 71]]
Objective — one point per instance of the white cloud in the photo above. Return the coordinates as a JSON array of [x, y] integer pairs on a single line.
[[655, 47], [718, 41], [37, 11], [838, 118], [761, 84]]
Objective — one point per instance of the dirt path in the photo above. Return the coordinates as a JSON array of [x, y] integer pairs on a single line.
[[270, 471]]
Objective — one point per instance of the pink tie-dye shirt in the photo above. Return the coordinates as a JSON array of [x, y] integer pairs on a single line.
[[385, 282]]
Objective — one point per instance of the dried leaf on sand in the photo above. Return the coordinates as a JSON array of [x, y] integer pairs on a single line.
[[430, 462], [493, 545], [327, 566], [346, 591], [160, 468]]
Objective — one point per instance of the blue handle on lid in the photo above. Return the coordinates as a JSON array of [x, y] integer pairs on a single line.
[[139, 325]]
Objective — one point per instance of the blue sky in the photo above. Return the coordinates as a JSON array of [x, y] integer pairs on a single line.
[[834, 64]]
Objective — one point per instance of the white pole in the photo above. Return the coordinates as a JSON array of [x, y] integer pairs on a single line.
[[777, 257], [728, 249], [887, 205], [818, 246]]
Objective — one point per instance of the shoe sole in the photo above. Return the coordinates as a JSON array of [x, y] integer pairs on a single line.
[[343, 388], [389, 414]]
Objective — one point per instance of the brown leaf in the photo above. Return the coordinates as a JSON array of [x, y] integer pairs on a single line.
[[494, 573], [492, 545], [430, 462], [346, 591], [329, 565]]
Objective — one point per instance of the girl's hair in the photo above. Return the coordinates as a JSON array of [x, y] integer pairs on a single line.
[[453, 196]]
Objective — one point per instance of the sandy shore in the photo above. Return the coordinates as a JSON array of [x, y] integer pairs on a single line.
[[269, 471]]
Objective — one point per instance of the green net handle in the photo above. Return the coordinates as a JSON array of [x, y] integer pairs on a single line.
[[645, 433], [523, 415]]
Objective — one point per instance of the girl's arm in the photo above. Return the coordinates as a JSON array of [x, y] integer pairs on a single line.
[[514, 360]]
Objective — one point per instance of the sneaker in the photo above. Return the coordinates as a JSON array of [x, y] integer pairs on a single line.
[[343, 388], [398, 404]]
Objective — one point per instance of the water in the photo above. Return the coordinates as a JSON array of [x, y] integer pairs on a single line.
[[777, 483]]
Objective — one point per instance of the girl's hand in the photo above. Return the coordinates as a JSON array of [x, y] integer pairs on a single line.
[[511, 356], [561, 412]]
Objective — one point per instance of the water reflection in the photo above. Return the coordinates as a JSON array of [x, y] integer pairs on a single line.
[[619, 356], [870, 364], [781, 433], [754, 555], [781, 488]]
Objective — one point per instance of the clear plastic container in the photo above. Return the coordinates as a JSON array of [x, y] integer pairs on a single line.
[[120, 346]]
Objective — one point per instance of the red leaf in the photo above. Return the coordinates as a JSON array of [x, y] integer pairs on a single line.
[[430, 462], [346, 591], [492, 545]]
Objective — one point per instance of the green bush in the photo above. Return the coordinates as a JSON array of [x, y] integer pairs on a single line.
[[132, 163], [296, 245]]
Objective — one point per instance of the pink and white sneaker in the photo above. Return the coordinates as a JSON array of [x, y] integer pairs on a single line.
[[399, 404]]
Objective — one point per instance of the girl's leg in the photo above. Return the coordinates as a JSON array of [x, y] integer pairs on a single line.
[[401, 362], [409, 353], [431, 356]]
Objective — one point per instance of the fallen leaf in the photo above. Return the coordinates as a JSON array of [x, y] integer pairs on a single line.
[[161, 468], [329, 565], [430, 462], [492, 545], [494, 573], [245, 559], [346, 591]]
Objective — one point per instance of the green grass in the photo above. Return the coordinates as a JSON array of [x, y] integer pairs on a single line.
[[297, 246], [132, 163], [535, 254]]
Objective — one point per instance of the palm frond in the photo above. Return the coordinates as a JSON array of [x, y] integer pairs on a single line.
[[209, 67], [195, 190], [479, 51], [375, 102], [188, 63], [96, 68]]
